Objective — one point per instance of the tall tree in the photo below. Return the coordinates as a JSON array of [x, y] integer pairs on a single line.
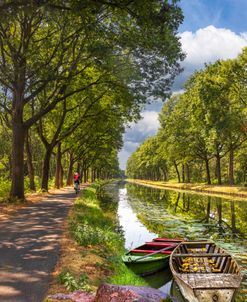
[[45, 45]]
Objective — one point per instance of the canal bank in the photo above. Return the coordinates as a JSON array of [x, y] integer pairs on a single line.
[[215, 190], [92, 246], [135, 214]]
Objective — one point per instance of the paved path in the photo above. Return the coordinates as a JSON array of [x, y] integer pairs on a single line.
[[29, 248]]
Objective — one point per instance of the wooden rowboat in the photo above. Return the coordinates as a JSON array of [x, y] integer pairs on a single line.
[[205, 272], [150, 257]]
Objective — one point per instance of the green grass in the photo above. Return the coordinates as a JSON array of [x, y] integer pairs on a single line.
[[122, 275], [90, 225]]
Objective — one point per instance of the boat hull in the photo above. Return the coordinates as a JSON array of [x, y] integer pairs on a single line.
[[147, 266], [205, 295]]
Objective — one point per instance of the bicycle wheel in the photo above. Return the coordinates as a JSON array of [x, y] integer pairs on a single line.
[[76, 188]]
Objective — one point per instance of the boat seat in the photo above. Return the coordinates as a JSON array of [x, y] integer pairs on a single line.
[[150, 251], [202, 281], [161, 244]]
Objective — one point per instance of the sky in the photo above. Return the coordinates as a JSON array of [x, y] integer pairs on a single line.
[[212, 30]]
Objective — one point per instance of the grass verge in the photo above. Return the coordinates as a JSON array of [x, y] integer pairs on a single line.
[[92, 247]]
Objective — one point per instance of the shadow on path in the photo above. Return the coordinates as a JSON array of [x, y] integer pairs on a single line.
[[29, 248]]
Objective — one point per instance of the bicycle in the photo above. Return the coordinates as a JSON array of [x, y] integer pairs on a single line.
[[76, 187]]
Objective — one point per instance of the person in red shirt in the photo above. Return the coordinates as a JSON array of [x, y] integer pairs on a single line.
[[77, 179]]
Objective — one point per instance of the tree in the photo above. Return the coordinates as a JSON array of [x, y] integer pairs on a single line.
[[224, 115], [46, 45], [206, 123]]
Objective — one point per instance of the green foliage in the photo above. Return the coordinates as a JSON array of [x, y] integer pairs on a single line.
[[4, 187], [93, 225], [90, 226], [88, 235], [72, 283], [87, 76], [203, 130]]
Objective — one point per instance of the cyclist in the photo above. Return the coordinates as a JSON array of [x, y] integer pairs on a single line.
[[77, 179]]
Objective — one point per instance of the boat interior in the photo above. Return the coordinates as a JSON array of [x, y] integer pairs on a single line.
[[203, 257], [151, 247]]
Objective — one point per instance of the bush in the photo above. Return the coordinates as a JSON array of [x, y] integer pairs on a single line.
[[5, 186], [71, 283]]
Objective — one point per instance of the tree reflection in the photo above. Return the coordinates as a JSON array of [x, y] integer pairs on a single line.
[[233, 218], [204, 215], [208, 209], [176, 203]]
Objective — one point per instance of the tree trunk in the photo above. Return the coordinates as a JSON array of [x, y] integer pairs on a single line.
[[86, 172], [46, 169], [231, 166], [18, 138], [208, 171], [208, 209], [183, 176], [99, 174], [177, 171], [164, 174], [84, 175], [233, 217], [218, 168], [176, 204], [30, 164], [219, 210], [61, 177], [78, 167], [187, 167], [58, 167], [70, 170]]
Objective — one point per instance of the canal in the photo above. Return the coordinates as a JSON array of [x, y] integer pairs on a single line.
[[146, 212]]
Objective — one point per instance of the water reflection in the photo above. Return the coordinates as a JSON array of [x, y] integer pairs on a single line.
[[193, 216], [135, 233], [145, 212]]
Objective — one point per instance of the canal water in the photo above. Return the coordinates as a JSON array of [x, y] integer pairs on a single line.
[[145, 213]]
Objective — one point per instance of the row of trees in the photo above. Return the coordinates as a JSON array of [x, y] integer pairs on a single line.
[[71, 74], [203, 133]]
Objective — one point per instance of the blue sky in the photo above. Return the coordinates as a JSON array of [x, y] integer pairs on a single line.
[[230, 14], [212, 29]]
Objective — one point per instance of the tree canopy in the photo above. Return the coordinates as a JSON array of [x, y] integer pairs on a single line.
[[203, 126], [62, 63]]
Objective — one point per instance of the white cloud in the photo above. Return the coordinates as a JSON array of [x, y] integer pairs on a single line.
[[130, 146], [149, 123], [210, 44], [207, 45], [137, 133]]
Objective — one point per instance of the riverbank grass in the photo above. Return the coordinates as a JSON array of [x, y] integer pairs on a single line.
[[92, 248]]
